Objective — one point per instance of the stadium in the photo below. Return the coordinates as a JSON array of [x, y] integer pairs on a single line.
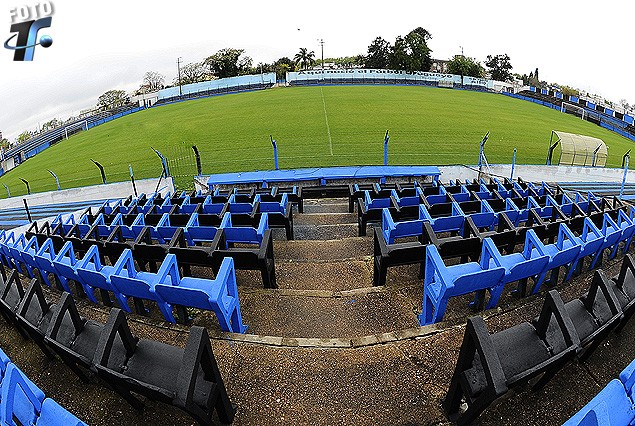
[[311, 240]]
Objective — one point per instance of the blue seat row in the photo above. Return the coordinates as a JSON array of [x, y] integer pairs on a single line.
[[494, 270], [166, 226], [23, 403], [404, 202], [166, 287]]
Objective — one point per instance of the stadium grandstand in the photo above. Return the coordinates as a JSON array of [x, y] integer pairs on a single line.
[[400, 292]]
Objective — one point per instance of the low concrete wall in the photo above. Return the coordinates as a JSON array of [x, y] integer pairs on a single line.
[[87, 193], [538, 173]]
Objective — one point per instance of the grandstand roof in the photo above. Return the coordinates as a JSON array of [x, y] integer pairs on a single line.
[[581, 150]]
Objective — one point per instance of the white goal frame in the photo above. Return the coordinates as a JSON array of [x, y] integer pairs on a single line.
[[579, 110], [82, 125]]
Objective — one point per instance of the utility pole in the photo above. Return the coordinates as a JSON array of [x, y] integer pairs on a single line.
[[463, 56], [178, 64], [321, 41]]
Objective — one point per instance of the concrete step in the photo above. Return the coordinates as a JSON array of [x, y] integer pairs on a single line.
[[336, 276], [345, 248], [324, 232], [326, 205], [325, 219], [274, 313]]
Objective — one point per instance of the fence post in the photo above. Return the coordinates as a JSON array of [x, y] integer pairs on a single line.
[[57, 181], [134, 186], [26, 207], [275, 152], [386, 139], [481, 155], [199, 168], [28, 188], [513, 165], [164, 163], [102, 171], [625, 160]]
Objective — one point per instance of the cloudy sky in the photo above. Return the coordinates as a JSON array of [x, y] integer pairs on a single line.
[[104, 45]]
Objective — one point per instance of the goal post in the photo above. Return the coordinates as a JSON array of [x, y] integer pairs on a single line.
[[82, 125], [573, 109]]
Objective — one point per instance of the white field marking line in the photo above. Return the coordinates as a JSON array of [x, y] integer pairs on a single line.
[[328, 129]]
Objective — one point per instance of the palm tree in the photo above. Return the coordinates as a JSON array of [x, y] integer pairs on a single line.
[[304, 57]]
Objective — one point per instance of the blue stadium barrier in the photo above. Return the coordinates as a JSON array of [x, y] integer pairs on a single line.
[[322, 174]]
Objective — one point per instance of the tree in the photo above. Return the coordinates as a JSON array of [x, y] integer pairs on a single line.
[[23, 137], [569, 91], [378, 54], [499, 67], [624, 103], [51, 124], [398, 59], [192, 73], [152, 81], [417, 50], [4, 142], [465, 66], [305, 58], [228, 63], [282, 66], [112, 99]]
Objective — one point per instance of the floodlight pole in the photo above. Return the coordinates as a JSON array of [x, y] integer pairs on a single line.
[[511, 177], [57, 181], [625, 160], [275, 152]]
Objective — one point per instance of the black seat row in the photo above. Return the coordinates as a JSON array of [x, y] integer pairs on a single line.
[[490, 364], [186, 378]]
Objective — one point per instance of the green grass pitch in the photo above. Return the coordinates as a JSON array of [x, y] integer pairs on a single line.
[[314, 126]]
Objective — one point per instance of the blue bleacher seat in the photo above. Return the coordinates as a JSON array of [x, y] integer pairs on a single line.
[[219, 295], [518, 266], [611, 407], [21, 399], [129, 282], [65, 264], [442, 282], [44, 260], [93, 275], [53, 414]]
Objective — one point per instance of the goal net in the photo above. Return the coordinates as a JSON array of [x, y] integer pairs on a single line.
[[75, 127], [574, 109]]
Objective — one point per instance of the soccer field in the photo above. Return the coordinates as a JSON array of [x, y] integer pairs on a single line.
[[314, 126]]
